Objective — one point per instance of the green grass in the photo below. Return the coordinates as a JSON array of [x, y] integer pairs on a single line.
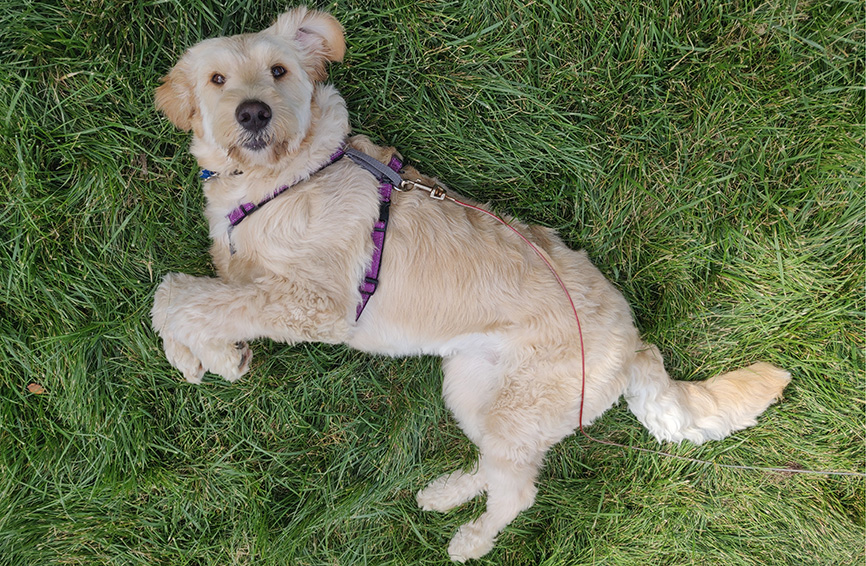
[[709, 156]]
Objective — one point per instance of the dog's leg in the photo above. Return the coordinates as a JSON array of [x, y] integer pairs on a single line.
[[510, 490], [209, 321], [532, 409], [178, 354], [450, 490], [470, 383], [193, 353]]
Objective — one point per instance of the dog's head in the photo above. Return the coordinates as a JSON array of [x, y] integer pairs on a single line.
[[249, 97]]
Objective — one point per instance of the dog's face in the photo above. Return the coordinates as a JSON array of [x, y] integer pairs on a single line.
[[248, 98]]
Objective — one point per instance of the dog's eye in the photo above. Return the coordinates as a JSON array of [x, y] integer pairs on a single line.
[[278, 71], [218, 79]]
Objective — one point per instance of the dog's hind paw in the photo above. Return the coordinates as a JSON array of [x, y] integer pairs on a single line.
[[448, 491], [470, 542]]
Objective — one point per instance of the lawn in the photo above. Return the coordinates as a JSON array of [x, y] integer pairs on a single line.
[[708, 155]]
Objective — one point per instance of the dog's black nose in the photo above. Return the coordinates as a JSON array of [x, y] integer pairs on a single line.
[[253, 115]]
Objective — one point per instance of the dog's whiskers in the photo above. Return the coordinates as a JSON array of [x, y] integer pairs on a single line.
[[256, 142]]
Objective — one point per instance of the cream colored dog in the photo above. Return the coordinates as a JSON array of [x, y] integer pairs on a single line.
[[454, 282]]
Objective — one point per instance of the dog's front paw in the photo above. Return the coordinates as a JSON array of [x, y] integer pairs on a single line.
[[182, 358], [470, 542], [230, 361]]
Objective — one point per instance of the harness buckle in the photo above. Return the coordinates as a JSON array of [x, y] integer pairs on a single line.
[[436, 191]]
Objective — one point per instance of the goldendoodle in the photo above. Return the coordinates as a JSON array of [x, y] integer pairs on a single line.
[[307, 223]]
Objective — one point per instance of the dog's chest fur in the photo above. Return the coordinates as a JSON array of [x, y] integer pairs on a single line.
[[323, 221]]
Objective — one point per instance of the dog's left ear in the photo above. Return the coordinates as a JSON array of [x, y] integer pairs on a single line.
[[174, 97], [316, 34]]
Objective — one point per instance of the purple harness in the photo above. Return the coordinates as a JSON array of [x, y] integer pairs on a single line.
[[388, 177]]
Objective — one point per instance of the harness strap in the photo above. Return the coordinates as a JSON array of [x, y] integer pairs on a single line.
[[381, 171], [243, 210], [388, 177]]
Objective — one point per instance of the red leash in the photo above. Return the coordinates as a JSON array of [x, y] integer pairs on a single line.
[[561, 284]]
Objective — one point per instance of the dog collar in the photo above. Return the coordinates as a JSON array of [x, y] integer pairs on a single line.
[[389, 179], [207, 174]]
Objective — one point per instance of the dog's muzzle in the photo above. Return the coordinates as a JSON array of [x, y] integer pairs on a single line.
[[253, 116]]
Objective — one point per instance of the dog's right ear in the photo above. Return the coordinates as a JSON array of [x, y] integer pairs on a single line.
[[174, 97], [316, 34]]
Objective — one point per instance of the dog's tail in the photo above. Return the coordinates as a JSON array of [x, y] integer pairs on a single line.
[[700, 410]]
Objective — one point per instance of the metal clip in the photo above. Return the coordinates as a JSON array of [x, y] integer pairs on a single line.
[[436, 191], [405, 186]]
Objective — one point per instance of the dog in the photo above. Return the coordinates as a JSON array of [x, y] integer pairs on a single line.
[[271, 138]]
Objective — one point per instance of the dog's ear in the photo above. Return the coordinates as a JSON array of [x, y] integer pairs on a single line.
[[174, 97], [316, 34]]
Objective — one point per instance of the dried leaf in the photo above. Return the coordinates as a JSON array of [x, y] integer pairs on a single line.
[[36, 389]]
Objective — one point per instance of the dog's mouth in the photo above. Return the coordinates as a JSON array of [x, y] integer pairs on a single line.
[[256, 143], [257, 147]]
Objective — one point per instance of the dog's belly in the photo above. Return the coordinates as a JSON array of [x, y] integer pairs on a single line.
[[392, 341]]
